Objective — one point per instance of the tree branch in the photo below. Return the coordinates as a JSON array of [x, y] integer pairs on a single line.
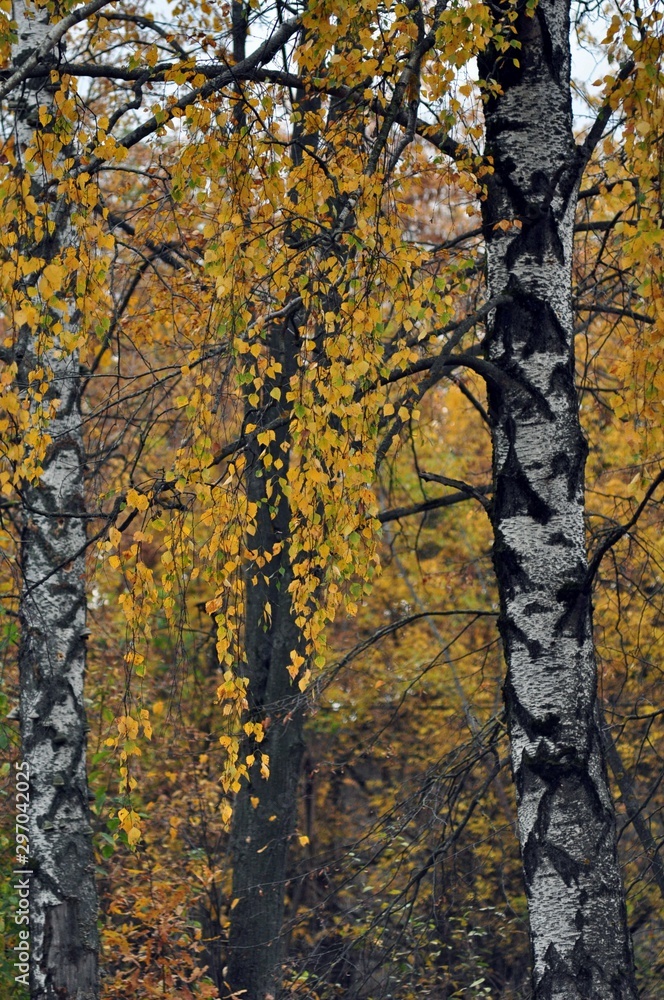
[[587, 147], [458, 484], [613, 311], [631, 803], [264, 53], [618, 533], [55, 35], [396, 513]]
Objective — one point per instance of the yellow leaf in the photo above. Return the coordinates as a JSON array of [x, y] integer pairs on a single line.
[[137, 500]]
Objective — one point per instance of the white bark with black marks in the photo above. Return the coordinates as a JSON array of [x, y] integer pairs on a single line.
[[63, 901], [580, 942]]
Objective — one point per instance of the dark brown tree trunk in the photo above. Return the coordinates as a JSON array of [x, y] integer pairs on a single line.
[[266, 810], [580, 942], [265, 813]]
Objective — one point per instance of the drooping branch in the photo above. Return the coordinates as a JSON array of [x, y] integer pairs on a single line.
[[263, 54], [221, 75]]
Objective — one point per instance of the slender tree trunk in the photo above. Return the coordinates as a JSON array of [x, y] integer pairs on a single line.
[[265, 813], [266, 810], [63, 901], [580, 942]]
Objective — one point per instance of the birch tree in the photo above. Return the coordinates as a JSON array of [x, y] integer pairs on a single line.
[[49, 479], [296, 327], [578, 922]]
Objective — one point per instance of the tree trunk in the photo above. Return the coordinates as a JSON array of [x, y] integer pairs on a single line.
[[579, 936], [265, 813], [63, 901], [266, 810]]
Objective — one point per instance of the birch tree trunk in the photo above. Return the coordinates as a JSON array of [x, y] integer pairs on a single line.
[[579, 936], [63, 901]]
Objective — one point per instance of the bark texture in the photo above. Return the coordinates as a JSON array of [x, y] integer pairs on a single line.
[[579, 936], [266, 810], [265, 813], [63, 901]]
